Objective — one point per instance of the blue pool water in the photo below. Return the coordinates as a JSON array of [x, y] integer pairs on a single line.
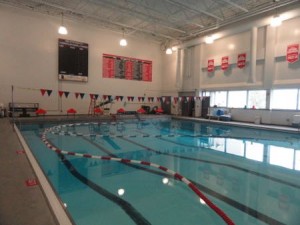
[[251, 174]]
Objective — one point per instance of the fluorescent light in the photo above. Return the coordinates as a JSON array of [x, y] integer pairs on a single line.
[[209, 40], [62, 30], [169, 51], [174, 48], [276, 21], [123, 42]]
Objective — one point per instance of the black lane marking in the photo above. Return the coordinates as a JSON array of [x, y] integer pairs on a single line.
[[252, 212], [74, 134], [212, 162], [140, 167], [245, 209], [126, 206], [227, 165]]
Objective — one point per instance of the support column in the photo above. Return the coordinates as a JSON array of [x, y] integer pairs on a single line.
[[179, 69], [252, 77], [269, 70]]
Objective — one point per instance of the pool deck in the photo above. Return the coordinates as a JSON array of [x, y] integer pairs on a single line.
[[19, 204], [243, 124], [23, 205]]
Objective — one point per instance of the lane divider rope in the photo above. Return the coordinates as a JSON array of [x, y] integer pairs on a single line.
[[176, 175], [57, 130]]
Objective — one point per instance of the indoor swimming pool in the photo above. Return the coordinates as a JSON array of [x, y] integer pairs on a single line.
[[137, 171]]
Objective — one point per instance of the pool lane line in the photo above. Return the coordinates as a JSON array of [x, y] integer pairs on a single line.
[[143, 135], [245, 209], [178, 176], [174, 135], [239, 206], [159, 173], [223, 164], [75, 134], [136, 216]]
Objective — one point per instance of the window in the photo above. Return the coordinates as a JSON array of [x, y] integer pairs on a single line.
[[218, 144], [297, 160], [254, 151], [284, 99], [235, 147], [205, 93], [219, 98], [257, 99], [281, 156], [237, 99]]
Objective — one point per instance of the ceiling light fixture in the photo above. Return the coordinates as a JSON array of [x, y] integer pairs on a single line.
[[169, 51], [174, 48], [62, 29], [123, 41], [209, 39], [276, 20]]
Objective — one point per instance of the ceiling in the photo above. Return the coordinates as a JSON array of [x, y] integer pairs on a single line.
[[162, 21]]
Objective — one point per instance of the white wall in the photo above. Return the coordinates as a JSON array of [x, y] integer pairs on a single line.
[[270, 68], [29, 62], [278, 117]]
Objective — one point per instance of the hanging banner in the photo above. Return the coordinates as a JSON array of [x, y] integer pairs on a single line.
[[292, 53], [150, 99], [81, 95], [241, 61], [60, 93], [43, 91], [210, 65], [49, 92], [224, 63]]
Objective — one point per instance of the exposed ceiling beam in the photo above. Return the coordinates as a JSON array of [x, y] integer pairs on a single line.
[[236, 5], [135, 12], [244, 16], [169, 16], [101, 19], [198, 11]]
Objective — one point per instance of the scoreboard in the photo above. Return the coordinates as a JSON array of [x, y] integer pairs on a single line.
[[72, 60]]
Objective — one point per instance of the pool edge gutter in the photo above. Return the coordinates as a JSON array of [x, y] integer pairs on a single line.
[[54, 202]]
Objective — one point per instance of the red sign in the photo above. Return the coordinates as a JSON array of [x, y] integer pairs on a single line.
[[292, 53], [128, 69], [241, 61], [121, 67], [31, 182], [224, 62], [108, 67], [210, 65], [20, 152], [147, 70]]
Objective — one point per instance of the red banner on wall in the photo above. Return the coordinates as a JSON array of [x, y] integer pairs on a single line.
[[210, 65], [224, 62], [126, 68], [292, 53], [241, 61], [108, 67]]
